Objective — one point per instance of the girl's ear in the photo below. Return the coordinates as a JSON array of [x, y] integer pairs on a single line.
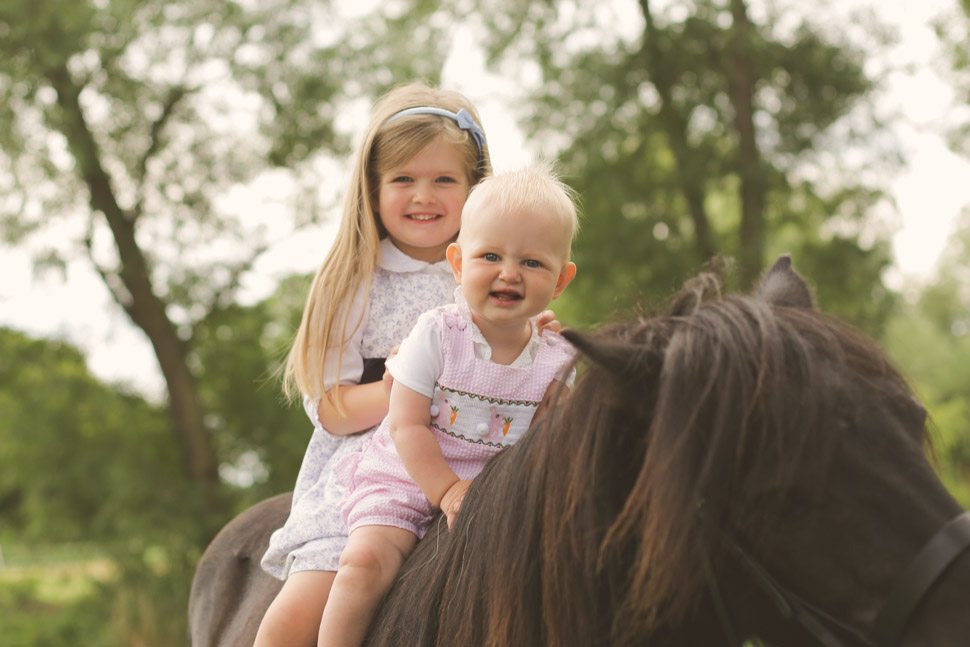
[[566, 275], [453, 254]]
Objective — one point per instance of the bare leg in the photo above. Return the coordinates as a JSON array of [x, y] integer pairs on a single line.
[[370, 561], [293, 619]]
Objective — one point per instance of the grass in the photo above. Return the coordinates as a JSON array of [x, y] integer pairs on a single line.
[[80, 595]]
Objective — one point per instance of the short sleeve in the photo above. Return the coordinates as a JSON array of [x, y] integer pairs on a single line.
[[418, 362], [566, 356], [351, 362], [312, 408]]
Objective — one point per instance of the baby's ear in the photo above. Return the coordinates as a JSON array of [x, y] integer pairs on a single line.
[[782, 286], [567, 274], [453, 254]]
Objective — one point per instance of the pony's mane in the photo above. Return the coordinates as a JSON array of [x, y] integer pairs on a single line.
[[753, 398], [681, 425]]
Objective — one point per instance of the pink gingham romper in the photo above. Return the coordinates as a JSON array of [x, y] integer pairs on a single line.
[[478, 407]]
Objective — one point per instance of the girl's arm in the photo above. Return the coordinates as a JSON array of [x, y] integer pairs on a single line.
[[365, 405], [409, 418]]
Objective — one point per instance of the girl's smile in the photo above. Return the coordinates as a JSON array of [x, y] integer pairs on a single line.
[[420, 201]]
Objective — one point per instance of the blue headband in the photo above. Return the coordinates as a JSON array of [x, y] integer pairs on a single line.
[[462, 118]]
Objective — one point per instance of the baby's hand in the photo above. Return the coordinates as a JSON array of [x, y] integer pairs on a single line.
[[451, 501], [547, 321]]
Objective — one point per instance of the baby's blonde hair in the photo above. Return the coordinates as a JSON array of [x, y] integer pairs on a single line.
[[533, 189], [349, 266]]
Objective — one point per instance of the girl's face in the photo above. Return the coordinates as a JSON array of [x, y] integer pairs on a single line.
[[420, 201]]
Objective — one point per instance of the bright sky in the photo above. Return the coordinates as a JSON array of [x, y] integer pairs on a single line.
[[929, 195]]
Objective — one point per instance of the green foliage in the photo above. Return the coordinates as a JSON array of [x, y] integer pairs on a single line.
[[30, 618], [953, 29], [186, 99], [126, 593], [80, 460], [239, 351], [85, 461], [643, 123], [930, 340]]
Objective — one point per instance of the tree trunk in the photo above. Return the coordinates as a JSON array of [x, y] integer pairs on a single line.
[[742, 79], [690, 176], [141, 303]]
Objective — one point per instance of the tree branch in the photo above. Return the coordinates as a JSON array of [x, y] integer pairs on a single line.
[[175, 96], [144, 307]]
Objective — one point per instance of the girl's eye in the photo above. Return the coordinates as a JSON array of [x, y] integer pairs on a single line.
[[490, 257], [447, 179], [401, 179]]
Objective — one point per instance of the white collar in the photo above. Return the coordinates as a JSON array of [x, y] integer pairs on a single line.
[[481, 344], [392, 259]]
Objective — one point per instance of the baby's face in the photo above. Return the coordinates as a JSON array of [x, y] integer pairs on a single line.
[[510, 265]]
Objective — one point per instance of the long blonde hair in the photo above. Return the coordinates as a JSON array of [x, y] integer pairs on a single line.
[[349, 266]]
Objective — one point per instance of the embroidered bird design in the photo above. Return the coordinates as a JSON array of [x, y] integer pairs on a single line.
[[494, 422], [442, 410]]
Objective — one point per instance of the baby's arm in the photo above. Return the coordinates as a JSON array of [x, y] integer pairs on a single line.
[[409, 419]]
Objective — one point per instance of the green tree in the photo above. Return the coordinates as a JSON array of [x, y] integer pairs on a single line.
[[261, 438], [696, 129], [83, 461], [930, 340], [131, 119], [953, 29], [78, 459]]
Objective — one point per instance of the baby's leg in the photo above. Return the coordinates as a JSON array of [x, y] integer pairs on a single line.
[[368, 565], [294, 616]]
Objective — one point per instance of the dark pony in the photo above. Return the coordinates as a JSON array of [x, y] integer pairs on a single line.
[[734, 468]]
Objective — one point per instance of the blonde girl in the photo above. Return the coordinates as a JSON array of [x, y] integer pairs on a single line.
[[422, 152]]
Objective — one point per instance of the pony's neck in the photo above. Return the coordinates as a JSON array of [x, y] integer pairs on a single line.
[[941, 620]]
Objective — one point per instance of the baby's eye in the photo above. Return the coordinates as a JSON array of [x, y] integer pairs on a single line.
[[533, 263], [491, 257]]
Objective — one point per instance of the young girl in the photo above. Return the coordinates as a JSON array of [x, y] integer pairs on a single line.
[[467, 381], [421, 153]]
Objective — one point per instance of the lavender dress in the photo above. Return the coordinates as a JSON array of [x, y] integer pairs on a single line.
[[315, 534]]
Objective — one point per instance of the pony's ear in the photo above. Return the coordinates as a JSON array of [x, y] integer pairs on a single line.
[[782, 286], [619, 357]]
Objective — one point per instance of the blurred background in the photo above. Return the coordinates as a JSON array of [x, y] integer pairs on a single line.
[[171, 174]]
